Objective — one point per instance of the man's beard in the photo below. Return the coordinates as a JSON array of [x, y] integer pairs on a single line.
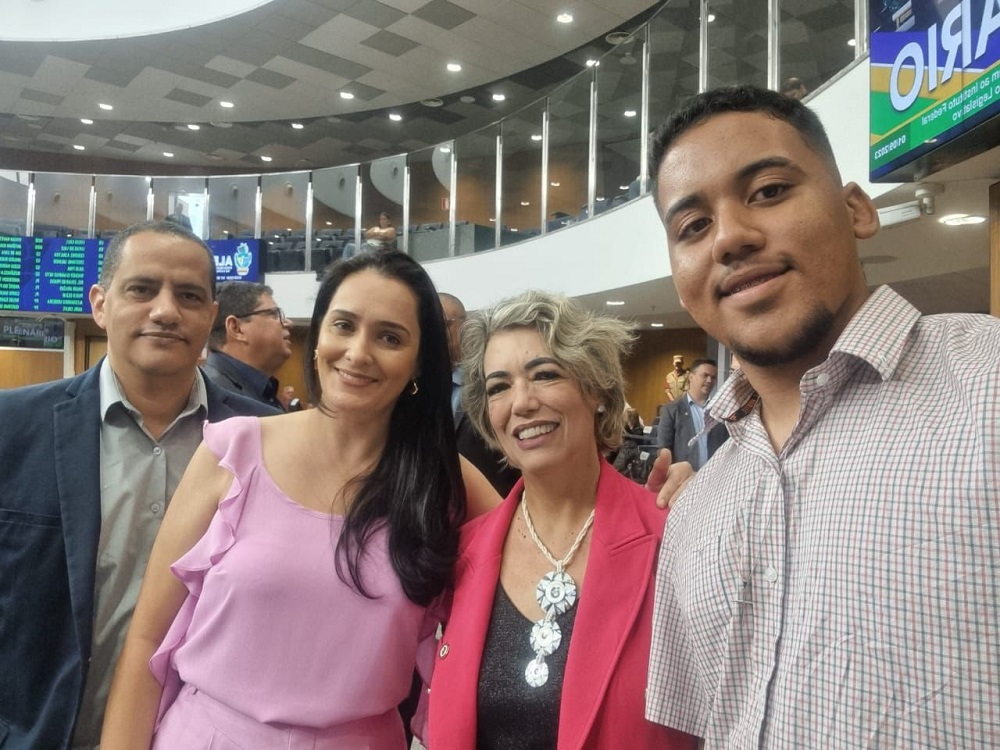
[[814, 329]]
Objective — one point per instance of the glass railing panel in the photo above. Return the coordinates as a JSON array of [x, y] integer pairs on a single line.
[[672, 36], [430, 202], [569, 133], [232, 206], [283, 220], [521, 182], [13, 202], [183, 200], [121, 202], [737, 42], [62, 204], [475, 199], [382, 191], [335, 204], [816, 43], [619, 104]]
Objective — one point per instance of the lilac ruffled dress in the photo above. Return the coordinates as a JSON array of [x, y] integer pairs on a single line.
[[270, 631]]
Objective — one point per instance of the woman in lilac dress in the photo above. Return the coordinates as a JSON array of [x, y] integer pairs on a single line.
[[295, 581]]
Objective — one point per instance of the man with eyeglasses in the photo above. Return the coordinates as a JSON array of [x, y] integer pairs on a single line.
[[250, 341]]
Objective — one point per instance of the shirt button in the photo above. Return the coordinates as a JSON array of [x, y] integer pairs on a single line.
[[444, 650], [155, 507], [157, 451], [770, 575], [822, 379]]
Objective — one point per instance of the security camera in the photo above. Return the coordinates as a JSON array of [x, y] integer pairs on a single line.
[[925, 193]]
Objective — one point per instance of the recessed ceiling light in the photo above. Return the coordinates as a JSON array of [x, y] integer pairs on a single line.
[[525, 203], [454, 67], [615, 302], [536, 136], [297, 126], [623, 187], [499, 97], [591, 63], [106, 107], [629, 113], [86, 121], [169, 154], [467, 99], [445, 149], [346, 95], [851, 43], [329, 223], [395, 117], [957, 220], [600, 198], [656, 325], [192, 126], [78, 147], [227, 105], [555, 184], [432, 102], [265, 158], [711, 17], [565, 18], [513, 229]]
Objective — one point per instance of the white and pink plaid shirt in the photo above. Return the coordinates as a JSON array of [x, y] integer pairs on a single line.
[[846, 592]]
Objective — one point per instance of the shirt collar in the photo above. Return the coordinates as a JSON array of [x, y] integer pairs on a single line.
[[876, 336], [111, 393]]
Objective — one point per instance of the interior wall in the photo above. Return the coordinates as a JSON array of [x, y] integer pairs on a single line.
[[25, 367], [650, 361]]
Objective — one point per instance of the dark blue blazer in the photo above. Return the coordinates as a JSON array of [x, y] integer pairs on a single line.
[[50, 523]]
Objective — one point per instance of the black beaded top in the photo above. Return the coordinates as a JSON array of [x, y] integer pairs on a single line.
[[512, 714]]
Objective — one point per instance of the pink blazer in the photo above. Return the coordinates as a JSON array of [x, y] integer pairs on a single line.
[[602, 702]]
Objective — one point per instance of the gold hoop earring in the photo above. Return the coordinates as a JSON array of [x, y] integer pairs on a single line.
[[413, 387]]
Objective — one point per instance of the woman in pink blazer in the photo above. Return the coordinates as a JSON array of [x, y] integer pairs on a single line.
[[547, 645]]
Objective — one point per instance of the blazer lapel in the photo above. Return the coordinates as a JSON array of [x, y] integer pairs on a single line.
[[622, 554], [77, 463], [477, 577]]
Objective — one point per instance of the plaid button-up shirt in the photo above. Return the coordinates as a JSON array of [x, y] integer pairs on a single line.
[[845, 593]]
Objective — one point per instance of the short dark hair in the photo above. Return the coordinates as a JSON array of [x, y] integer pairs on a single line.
[[237, 298], [699, 362], [113, 252], [742, 98], [416, 489]]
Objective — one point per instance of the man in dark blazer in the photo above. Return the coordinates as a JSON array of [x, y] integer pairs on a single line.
[[683, 419], [67, 450]]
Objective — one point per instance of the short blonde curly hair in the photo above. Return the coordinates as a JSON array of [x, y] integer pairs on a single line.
[[590, 346]]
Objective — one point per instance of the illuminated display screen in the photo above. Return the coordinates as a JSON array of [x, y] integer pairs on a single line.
[[935, 75], [54, 274]]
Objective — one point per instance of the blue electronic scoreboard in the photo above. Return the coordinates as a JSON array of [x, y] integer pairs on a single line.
[[54, 274]]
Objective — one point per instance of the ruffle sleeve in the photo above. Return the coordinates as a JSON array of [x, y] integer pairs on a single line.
[[238, 446]]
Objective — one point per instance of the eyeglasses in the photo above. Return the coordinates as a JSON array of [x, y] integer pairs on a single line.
[[272, 312]]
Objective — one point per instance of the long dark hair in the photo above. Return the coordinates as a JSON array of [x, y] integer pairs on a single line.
[[416, 487]]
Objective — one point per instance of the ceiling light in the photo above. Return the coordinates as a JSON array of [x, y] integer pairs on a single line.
[[592, 63], [711, 17], [656, 325], [346, 95], [453, 67], [169, 154], [536, 136], [395, 117], [86, 121], [851, 43], [499, 97], [329, 223], [467, 99], [227, 105], [106, 107], [615, 302], [600, 199], [525, 203], [297, 126], [445, 149], [565, 18], [629, 113], [554, 184], [192, 126], [78, 147], [623, 187], [957, 220], [265, 158]]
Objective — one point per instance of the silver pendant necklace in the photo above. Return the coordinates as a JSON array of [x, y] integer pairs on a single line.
[[556, 594]]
